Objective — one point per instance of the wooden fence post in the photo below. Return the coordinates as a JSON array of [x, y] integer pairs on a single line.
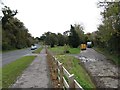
[[71, 81], [55, 67], [61, 76], [46, 49]]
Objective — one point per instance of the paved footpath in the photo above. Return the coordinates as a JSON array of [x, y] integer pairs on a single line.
[[102, 70], [36, 75]]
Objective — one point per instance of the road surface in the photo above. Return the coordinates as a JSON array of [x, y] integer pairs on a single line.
[[102, 70], [10, 56]]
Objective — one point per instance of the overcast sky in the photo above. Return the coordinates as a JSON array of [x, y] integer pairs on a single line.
[[40, 16]]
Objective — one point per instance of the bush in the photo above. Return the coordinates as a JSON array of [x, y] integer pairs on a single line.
[[66, 51]]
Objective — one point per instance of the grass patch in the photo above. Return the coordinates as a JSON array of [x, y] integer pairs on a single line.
[[11, 71], [60, 50], [57, 50], [38, 50], [74, 50], [73, 66], [113, 57]]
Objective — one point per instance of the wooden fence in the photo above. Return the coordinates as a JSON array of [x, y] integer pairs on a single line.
[[65, 78]]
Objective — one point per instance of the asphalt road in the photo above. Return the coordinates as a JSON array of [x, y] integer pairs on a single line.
[[10, 56]]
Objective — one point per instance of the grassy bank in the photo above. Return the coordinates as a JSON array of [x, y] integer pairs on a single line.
[[11, 71], [74, 67], [61, 49], [113, 57], [38, 50]]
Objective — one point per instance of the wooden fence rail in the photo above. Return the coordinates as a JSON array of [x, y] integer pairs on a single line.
[[65, 78]]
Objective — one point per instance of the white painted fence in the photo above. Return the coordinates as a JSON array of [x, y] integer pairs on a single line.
[[65, 78]]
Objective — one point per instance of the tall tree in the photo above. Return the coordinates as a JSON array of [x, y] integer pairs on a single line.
[[74, 40], [61, 39], [14, 33], [80, 32], [109, 31], [50, 38]]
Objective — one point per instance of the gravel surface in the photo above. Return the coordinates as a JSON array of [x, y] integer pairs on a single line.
[[36, 75], [102, 70]]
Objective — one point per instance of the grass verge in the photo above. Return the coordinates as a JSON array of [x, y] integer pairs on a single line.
[[73, 65], [38, 50], [11, 71], [60, 50], [113, 57]]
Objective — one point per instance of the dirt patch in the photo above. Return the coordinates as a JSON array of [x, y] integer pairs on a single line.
[[53, 72]]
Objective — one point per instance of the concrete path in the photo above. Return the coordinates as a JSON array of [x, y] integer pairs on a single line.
[[102, 70], [36, 75]]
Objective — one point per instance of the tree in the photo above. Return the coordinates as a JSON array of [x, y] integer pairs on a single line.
[[49, 38], [109, 31], [61, 39], [8, 13], [53, 39], [80, 32], [14, 33], [74, 40]]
